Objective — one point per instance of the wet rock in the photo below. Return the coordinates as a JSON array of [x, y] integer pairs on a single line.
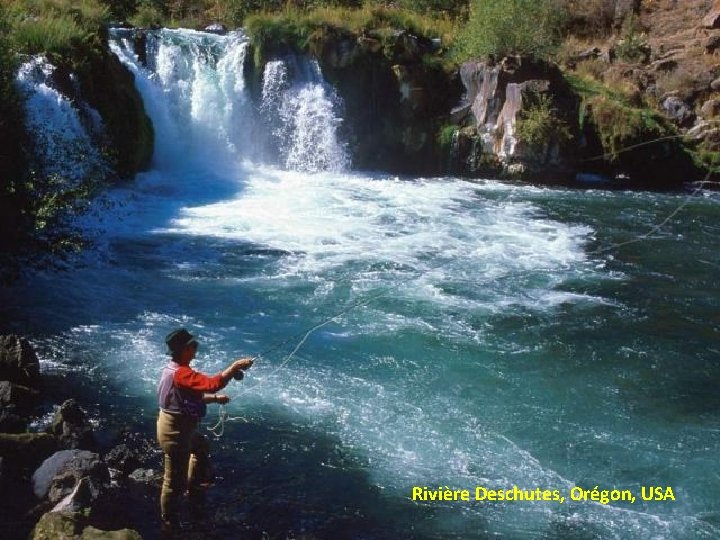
[[83, 494], [66, 525], [59, 475], [133, 453], [91, 533], [11, 421], [216, 28], [144, 476], [18, 361], [71, 427], [25, 451], [18, 395]]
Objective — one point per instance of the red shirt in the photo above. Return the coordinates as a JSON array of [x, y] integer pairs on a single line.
[[185, 377]]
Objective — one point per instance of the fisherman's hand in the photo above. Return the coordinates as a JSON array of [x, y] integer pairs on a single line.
[[222, 399], [242, 364]]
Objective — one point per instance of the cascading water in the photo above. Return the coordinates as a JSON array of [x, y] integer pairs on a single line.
[[193, 87], [199, 102], [508, 354], [300, 109], [63, 131]]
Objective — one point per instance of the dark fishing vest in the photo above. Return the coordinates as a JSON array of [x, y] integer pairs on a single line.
[[176, 400]]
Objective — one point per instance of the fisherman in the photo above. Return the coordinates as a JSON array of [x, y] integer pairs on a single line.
[[183, 394]]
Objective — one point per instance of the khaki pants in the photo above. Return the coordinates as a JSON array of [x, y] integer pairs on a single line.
[[186, 460]]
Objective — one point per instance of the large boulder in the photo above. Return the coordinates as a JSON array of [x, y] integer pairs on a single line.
[[60, 474], [134, 452], [70, 425], [18, 361], [497, 94]]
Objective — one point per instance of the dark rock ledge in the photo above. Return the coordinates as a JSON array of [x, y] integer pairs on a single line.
[[58, 483]]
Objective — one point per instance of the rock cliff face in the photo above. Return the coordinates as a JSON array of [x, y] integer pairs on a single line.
[[396, 95], [396, 98], [106, 85], [496, 96]]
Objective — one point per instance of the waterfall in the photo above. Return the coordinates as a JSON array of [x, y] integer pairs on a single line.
[[194, 89], [194, 92], [63, 130], [301, 109]]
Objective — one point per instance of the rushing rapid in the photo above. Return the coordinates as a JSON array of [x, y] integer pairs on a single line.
[[508, 351]]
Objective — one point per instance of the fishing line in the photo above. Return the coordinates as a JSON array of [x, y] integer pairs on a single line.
[[657, 227], [223, 416], [219, 428]]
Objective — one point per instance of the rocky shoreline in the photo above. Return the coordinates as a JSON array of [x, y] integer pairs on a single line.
[[60, 481]]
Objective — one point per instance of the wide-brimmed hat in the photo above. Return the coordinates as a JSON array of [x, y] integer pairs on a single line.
[[178, 339]]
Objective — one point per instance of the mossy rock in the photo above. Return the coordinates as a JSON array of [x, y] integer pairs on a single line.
[[56, 526], [91, 533]]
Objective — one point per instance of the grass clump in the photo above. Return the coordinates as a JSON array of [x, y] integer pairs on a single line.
[[296, 28], [53, 26], [620, 126]]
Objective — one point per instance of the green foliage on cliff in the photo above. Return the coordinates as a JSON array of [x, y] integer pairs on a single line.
[[36, 208], [502, 27], [538, 123], [296, 29], [53, 26]]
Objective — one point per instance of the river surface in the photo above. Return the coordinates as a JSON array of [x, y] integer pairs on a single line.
[[484, 334]]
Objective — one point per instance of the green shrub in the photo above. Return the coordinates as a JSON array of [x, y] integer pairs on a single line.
[[147, 14], [446, 136], [538, 123], [632, 47], [502, 27], [620, 126]]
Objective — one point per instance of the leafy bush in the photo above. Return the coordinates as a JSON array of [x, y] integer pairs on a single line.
[[538, 122], [632, 47], [502, 27], [147, 14]]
